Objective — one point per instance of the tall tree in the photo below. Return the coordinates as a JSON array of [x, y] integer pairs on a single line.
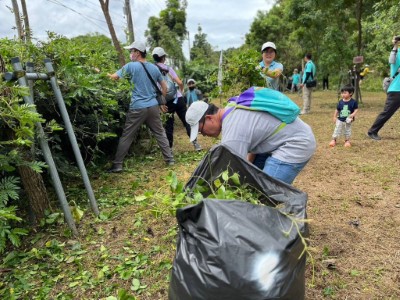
[[379, 28], [104, 7], [331, 30], [201, 48], [27, 33], [169, 29], [17, 17], [128, 14]]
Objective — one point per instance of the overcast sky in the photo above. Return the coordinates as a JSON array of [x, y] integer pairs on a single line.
[[224, 21]]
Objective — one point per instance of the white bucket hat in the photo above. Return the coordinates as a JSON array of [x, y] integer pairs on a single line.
[[193, 116]]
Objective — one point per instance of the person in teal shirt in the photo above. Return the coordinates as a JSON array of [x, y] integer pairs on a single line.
[[193, 94], [393, 93], [295, 81], [308, 75], [270, 71]]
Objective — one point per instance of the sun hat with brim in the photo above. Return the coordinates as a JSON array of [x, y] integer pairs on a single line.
[[268, 45], [194, 114], [191, 80], [159, 51], [138, 45]]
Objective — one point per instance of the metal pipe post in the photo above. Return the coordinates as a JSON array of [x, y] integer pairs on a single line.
[[47, 155], [71, 135]]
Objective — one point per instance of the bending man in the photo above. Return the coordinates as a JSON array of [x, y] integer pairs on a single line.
[[245, 131]]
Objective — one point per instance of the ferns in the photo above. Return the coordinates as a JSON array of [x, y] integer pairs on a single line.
[[9, 190], [19, 121]]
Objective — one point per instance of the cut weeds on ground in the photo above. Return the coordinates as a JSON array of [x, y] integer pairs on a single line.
[[127, 252]]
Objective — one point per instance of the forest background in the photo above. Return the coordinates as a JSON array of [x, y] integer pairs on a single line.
[[334, 32]]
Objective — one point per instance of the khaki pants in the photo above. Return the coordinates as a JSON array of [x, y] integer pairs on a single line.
[[342, 128], [306, 99]]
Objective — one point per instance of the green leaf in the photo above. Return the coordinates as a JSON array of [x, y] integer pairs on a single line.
[[140, 198], [123, 295], [135, 284], [225, 175], [77, 214], [100, 275], [126, 274], [217, 183], [73, 284], [70, 259], [221, 192], [235, 179]]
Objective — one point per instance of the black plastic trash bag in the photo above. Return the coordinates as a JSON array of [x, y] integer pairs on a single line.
[[235, 250]]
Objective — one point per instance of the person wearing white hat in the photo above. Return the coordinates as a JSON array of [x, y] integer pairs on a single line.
[[245, 131], [193, 94], [176, 105], [270, 69], [143, 108]]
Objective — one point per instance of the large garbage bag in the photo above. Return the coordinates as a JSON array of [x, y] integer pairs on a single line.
[[235, 250]]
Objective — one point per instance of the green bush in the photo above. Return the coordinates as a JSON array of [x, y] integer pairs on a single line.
[[96, 104]]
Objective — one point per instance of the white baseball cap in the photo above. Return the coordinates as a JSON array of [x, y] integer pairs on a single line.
[[138, 45], [159, 51], [268, 45], [191, 80], [193, 116]]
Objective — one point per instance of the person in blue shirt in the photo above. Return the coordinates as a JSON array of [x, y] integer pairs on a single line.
[[343, 117], [393, 93], [144, 107], [308, 75], [270, 69]]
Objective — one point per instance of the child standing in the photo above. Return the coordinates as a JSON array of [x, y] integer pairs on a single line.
[[344, 115]]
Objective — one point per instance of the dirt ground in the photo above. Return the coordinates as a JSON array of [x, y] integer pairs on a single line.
[[354, 203]]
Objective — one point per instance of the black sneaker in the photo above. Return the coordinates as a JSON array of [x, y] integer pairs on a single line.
[[170, 162], [196, 145], [374, 136], [114, 169]]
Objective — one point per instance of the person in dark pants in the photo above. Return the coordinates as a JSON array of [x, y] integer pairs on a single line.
[[325, 82], [177, 105], [393, 93]]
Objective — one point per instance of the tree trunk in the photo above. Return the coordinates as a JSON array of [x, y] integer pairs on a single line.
[[129, 19], [17, 18], [26, 22], [104, 7], [33, 184], [359, 7], [36, 192]]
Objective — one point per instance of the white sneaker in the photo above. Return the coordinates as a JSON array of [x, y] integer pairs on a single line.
[[196, 145]]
